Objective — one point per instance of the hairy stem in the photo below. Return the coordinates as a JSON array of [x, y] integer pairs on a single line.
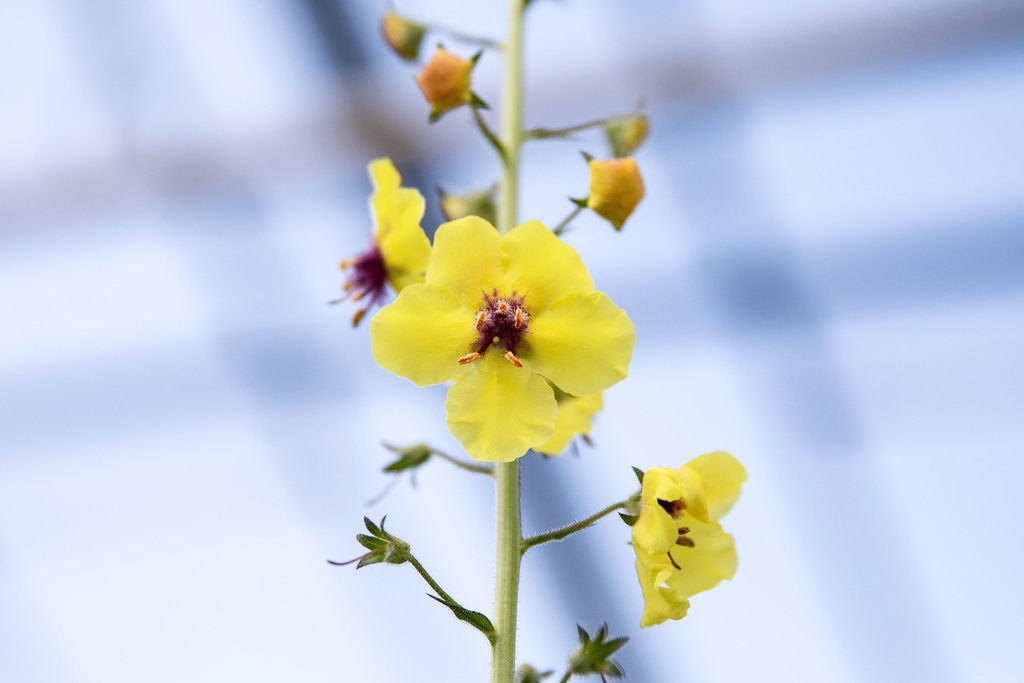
[[506, 475], [564, 532]]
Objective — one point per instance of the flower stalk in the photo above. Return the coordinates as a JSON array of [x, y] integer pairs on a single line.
[[508, 554], [569, 530]]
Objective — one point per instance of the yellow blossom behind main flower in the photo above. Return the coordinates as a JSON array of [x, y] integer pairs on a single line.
[[399, 250], [501, 317], [575, 414], [681, 549]]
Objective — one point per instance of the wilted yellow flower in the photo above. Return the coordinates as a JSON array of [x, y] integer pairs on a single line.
[[400, 249], [500, 316], [445, 82], [575, 414], [401, 35], [681, 549], [615, 189]]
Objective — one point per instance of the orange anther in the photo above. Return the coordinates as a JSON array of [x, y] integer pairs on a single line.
[[520, 318], [511, 358], [481, 318], [468, 358]]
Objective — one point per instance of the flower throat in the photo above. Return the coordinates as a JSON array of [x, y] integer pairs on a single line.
[[501, 321]]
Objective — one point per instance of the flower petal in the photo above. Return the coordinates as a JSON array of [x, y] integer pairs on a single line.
[[575, 414], [704, 566], [656, 531], [541, 267], [422, 334], [661, 602], [583, 343], [466, 260], [403, 244], [498, 411], [723, 477], [384, 175]]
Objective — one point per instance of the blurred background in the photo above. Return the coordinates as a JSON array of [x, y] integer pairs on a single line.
[[827, 278]]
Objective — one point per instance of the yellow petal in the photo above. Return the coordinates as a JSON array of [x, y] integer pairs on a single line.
[[541, 267], [498, 411], [656, 531], [583, 343], [384, 175], [404, 246], [723, 477], [422, 334], [466, 260], [661, 602], [575, 414], [704, 566]]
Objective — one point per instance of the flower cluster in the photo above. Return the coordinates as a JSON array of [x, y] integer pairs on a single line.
[[681, 549]]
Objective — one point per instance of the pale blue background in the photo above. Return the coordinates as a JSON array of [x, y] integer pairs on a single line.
[[827, 278]]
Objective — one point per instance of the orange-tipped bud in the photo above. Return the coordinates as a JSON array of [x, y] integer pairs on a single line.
[[445, 82]]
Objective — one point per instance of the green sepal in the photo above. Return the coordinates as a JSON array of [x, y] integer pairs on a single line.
[[477, 102], [630, 520], [582, 203], [639, 475], [408, 458], [588, 157], [370, 558], [377, 531], [478, 621], [370, 542], [476, 58], [593, 656]]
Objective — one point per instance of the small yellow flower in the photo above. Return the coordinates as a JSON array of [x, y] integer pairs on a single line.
[[681, 549], [575, 414], [615, 189], [501, 317], [400, 249], [401, 35], [445, 82]]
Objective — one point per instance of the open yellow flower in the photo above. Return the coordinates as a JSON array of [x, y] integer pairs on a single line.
[[400, 249], [575, 414], [500, 316], [681, 549]]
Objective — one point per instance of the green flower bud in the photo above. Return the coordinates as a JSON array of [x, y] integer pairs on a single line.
[[402, 35]]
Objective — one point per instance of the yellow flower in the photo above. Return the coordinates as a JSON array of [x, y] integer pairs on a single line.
[[500, 316], [445, 82], [575, 413], [615, 189], [681, 549], [400, 249]]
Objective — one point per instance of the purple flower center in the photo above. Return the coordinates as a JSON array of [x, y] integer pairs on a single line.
[[367, 280], [501, 321]]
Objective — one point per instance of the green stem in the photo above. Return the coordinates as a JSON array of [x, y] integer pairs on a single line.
[[469, 466], [559, 534], [508, 555], [560, 228], [430, 580], [506, 580]]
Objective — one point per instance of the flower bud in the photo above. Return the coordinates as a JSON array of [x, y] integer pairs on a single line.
[[626, 133], [615, 189], [402, 35], [471, 204], [445, 82]]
